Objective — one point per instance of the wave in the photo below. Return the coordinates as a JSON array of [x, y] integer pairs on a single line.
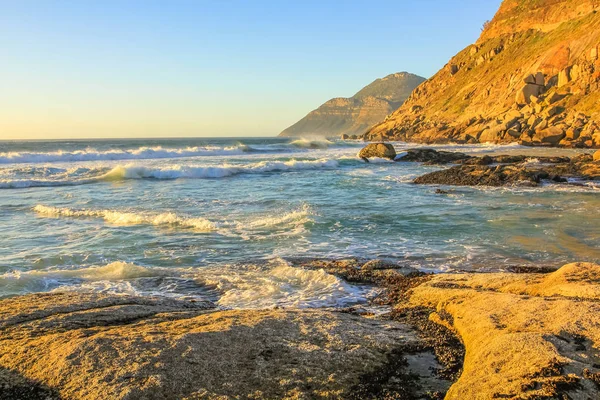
[[129, 218], [312, 143], [133, 171], [140, 172], [229, 286], [117, 154]]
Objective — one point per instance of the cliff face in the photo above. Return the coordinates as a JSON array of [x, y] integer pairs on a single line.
[[532, 77], [354, 115]]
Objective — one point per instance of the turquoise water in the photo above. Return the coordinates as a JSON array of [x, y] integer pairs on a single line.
[[217, 218]]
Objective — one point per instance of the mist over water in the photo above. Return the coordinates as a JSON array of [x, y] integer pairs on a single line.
[[216, 218]]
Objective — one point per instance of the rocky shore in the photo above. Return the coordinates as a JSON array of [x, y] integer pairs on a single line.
[[521, 334], [500, 170]]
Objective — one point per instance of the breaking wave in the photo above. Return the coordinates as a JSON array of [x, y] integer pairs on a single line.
[[133, 171], [229, 286], [140, 172], [312, 143], [140, 153], [129, 218]]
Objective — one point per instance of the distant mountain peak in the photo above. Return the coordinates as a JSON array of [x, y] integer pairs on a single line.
[[356, 114]]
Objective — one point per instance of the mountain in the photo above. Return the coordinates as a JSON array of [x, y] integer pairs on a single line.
[[354, 115], [532, 77]]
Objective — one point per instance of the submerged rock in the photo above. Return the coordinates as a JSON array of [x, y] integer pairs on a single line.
[[379, 150]]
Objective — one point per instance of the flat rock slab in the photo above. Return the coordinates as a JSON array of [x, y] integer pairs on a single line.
[[527, 336], [95, 346]]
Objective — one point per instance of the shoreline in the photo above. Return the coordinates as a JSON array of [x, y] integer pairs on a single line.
[[79, 343]]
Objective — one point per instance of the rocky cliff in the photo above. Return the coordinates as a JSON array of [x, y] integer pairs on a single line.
[[532, 77], [354, 115]]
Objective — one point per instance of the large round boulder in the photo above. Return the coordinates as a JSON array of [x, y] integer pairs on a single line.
[[380, 150]]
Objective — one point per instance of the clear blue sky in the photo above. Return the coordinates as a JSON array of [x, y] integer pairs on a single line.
[[119, 68]]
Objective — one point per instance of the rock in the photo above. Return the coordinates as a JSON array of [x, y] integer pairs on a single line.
[[597, 156], [553, 98], [502, 170], [380, 150], [432, 156], [564, 77], [95, 346], [514, 133], [481, 175], [539, 79], [594, 54], [524, 95], [527, 336], [530, 79], [344, 137], [572, 133], [543, 124], [552, 111], [551, 135], [453, 69]]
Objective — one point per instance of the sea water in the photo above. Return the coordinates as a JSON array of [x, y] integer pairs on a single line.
[[218, 218]]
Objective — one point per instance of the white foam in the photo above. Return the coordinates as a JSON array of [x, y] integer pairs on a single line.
[[129, 218], [312, 143], [117, 154], [282, 286], [231, 286], [134, 171]]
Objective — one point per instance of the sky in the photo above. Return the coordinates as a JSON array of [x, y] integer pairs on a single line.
[[175, 68]]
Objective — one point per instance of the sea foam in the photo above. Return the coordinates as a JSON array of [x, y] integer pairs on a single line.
[[129, 218], [229, 286], [117, 154], [135, 171]]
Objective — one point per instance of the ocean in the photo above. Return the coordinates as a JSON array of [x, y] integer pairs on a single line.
[[219, 219]]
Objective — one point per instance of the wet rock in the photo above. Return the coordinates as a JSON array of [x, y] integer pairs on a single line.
[[432, 156], [379, 150], [481, 175]]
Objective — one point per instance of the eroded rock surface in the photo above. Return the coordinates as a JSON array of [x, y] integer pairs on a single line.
[[527, 336], [92, 346]]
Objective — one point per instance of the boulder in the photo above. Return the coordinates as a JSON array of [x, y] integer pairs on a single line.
[[379, 150], [530, 89], [514, 133], [344, 136], [553, 98], [572, 133], [530, 79], [564, 77], [539, 79], [597, 156], [552, 135], [492, 134]]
